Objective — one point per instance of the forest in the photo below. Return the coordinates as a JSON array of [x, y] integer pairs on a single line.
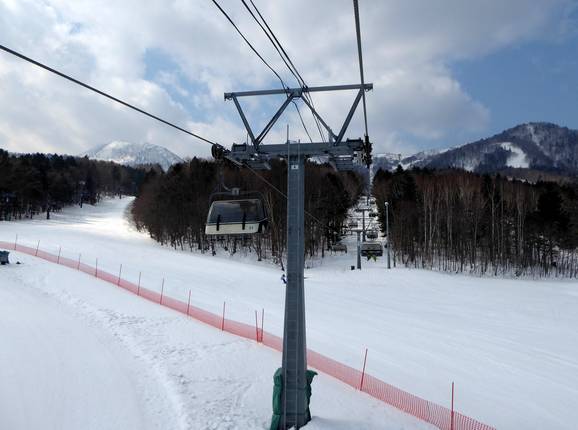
[[448, 220], [31, 184], [457, 221], [173, 206]]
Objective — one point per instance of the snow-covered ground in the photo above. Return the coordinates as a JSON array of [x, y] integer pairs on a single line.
[[78, 353], [511, 346]]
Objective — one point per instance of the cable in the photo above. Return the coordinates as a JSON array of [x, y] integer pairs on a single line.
[[249, 43], [102, 93], [269, 37], [285, 57], [263, 60], [297, 75], [303, 123], [358, 32], [281, 193], [76, 81]]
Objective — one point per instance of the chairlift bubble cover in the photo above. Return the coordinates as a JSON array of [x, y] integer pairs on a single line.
[[232, 217]]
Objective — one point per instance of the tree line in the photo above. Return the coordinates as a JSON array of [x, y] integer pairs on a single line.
[[173, 206], [453, 220], [38, 183]]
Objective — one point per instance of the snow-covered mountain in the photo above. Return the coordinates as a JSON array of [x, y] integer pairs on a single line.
[[540, 146], [134, 154]]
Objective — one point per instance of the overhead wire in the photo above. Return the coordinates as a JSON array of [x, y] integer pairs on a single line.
[[303, 122], [296, 73], [122, 102], [283, 84], [249, 43], [281, 193], [360, 55], [285, 57], [104, 94], [137, 109]]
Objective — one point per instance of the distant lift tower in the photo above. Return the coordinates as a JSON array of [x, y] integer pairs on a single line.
[[363, 210]]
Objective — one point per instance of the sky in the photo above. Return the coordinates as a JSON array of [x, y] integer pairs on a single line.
[[445, 72]]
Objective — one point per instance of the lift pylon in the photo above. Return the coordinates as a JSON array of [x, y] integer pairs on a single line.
[[256, 154]]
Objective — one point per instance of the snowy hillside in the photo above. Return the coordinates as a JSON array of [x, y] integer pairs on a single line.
[[537, 146], [134, 154], [509, 345]]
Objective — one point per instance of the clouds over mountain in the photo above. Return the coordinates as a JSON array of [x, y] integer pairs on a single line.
[[177, 58]]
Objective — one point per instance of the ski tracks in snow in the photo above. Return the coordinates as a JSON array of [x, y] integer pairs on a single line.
[[194, 366]]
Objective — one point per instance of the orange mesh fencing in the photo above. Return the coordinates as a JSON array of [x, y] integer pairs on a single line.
[[432, 413]]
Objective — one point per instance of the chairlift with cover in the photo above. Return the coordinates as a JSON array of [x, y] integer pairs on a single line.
[[234, 213], [371, 249], [371, 234]]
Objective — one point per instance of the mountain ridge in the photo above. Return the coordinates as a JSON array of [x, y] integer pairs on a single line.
[[534, 146], [134, 154]]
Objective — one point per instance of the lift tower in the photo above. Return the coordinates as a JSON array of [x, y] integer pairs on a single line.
[[343, 154]]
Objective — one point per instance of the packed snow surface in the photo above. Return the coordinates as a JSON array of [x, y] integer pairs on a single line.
[[79, 353], [511, 346]]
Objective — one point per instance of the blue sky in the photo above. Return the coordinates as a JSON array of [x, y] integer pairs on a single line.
[[532, 82]]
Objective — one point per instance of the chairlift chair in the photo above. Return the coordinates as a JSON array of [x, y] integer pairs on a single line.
[[371, 234], [371, 249], [233, 214]]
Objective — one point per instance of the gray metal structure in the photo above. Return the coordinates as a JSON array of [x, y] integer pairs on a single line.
[[363, 211], [358, 250], [342, 154], [387, 233]]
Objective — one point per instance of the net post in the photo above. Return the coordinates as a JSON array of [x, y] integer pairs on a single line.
[[452, 410], [363, 371], [119, 275], [162, 291], [262, 321], [223, 318], [37, 247], [138, 287], [78, 265], [189, 303], [58, 258]]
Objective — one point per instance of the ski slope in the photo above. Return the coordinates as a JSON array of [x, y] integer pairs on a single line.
[[79, 353], [511, 346]]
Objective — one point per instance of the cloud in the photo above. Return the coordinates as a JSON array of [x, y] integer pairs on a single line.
[[408, 49]]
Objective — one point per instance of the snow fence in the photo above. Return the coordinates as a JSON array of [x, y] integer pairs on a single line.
[[432, 413]]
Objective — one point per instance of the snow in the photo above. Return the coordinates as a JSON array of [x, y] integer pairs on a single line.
[[80, 353], [518, 158], [535, 138], [133, 154], [56, 366], [511, 346], [470, 164]]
